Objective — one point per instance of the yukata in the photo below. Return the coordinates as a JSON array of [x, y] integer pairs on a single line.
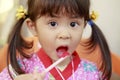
[[83, 69]]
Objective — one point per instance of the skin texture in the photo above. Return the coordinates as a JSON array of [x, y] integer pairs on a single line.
[[54, 32]]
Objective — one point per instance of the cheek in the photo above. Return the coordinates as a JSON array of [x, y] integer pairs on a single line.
[[76, 39], [77, 35], [43, 40], [46, 39]]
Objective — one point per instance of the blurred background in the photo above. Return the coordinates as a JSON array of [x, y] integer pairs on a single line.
[[108, 21], [7, 12]]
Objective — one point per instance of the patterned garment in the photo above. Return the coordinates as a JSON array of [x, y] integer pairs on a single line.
[[85, 69]]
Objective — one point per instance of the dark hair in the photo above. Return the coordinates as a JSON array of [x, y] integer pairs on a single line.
[[97, 38], [37, 8]]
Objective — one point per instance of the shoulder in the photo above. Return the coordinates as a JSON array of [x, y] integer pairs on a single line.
[[87, 70], [31, 63], [27, 64], [88, 66], [4, 75]]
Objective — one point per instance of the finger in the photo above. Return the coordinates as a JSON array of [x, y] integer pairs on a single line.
[[43, 74], [36, 69], [35, 73], [24, 77]]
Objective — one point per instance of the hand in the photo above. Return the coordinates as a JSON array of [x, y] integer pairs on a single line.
[[34, 76], [24, 77]]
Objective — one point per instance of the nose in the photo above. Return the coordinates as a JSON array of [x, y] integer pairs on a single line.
[[64, 34]]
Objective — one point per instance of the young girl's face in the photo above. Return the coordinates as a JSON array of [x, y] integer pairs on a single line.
[[59, 33]]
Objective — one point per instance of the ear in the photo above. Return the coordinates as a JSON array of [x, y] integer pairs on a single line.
[[31, 26]]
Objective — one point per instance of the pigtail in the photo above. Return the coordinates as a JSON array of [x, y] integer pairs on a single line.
[[13, 41], [97, 37], [16, 47]]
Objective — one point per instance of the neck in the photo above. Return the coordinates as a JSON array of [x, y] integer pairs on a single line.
[[64, 64]]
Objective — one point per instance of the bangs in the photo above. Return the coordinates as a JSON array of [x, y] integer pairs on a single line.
[[57, 7]]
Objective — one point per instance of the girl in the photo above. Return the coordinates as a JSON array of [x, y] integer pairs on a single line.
[[59, 25]]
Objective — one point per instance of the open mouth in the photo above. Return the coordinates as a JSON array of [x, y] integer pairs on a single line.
[[62, 51]]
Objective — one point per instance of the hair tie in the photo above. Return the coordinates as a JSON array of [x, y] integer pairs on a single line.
[[93, 17], [90, 22], [21, 13]]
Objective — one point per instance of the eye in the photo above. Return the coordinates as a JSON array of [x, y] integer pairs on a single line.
[[73, 24], [53, 24]]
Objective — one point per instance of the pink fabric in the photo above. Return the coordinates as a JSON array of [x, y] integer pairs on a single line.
[[85, 71]]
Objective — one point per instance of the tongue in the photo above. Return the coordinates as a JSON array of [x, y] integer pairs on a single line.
[[62, 52]]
